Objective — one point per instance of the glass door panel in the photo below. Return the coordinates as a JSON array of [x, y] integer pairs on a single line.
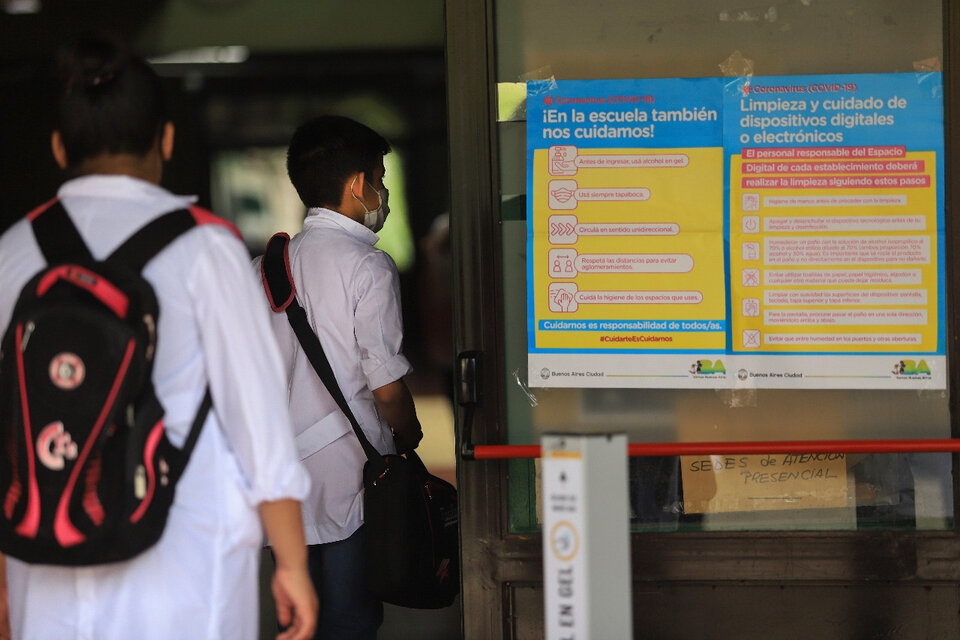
[[623, 39]]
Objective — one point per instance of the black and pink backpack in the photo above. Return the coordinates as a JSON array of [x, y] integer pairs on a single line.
[[87, 474]]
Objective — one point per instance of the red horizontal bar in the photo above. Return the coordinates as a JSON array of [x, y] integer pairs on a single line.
[[500, 451], [497, 452]]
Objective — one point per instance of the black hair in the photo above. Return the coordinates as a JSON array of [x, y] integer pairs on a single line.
[[325, 151], [108, 100]]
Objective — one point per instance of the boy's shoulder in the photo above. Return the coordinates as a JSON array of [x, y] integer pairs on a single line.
[[329, 250], [333, 240]]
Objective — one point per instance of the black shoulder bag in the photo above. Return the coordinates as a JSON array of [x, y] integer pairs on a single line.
[[410, 516]]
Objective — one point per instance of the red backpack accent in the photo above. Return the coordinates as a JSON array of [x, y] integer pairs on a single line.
[[202, 216]]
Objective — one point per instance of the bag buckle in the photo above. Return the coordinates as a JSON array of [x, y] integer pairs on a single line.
[[380, 477]]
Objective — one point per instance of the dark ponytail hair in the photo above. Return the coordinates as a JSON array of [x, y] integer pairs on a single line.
[[109, 102]]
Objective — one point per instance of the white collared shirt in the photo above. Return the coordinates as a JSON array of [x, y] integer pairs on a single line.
[[351, 294], [200, 579]]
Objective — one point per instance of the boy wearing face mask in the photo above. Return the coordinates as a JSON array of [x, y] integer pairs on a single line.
[[351, 294]]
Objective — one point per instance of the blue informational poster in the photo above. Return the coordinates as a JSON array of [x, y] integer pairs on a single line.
[[835, 222], [739, 232]]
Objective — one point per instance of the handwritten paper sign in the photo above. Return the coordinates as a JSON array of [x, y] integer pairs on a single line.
[[716, 484]]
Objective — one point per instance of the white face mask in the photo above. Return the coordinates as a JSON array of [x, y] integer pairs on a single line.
[[374, 219]]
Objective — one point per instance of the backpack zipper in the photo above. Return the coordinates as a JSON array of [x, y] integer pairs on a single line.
[[27, 331]]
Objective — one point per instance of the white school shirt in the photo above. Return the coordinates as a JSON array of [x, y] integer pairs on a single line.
[[200, 579], [350, 291]]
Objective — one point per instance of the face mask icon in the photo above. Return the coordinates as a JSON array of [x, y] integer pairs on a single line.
[[562, 195]]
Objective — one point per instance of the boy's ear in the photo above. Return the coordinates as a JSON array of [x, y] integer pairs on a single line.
[[166, 141], [356, 184], [352, 189], [59, 151]]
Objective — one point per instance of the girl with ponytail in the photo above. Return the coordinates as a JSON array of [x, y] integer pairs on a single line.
[[200, 580]]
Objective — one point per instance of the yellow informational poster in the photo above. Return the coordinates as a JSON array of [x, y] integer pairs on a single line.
[[612, 249], [626, 234], [777, 232], [836, 232]]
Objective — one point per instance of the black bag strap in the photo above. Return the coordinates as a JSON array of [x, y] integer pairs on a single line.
[[180, 462], [134, 253], [281, 291], [60, 241], [137, 250], [58, 237]]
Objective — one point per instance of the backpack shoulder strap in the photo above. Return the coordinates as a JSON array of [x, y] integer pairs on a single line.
[[203, 217], [179, 463], [56, 234], [150, 239], [137, 250], [280, 288]]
